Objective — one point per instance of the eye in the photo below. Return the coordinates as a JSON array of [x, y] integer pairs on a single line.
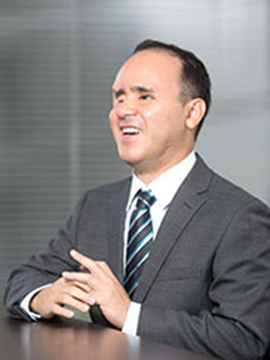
[[145, 97], [118, 100]]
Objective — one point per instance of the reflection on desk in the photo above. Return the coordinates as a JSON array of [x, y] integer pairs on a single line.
[[72, 339]]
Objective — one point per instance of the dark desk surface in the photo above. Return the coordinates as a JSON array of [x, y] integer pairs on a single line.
[[76, 340]]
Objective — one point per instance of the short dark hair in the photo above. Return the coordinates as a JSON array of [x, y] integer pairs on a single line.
[[195, 79]]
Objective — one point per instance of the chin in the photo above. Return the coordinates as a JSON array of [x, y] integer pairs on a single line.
[[129, 157], [128, 161]]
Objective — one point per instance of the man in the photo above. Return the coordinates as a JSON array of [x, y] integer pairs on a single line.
[[202, 279]]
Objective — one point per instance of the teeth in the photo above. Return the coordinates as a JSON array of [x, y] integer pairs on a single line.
[[130, 131]]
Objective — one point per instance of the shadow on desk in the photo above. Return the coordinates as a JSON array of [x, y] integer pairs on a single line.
[[56, 342], [75, 340]]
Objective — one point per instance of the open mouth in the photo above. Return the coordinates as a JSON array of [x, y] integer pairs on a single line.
[[130, 131]]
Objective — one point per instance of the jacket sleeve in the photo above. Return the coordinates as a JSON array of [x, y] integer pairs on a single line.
[[42, 269]]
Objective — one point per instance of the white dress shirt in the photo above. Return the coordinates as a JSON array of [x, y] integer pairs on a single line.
[[164, 188]]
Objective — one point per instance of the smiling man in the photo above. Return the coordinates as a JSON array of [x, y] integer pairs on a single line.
[[174, 253], [153, 128]]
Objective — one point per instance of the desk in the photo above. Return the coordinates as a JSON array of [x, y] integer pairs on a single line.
[[75, 340]]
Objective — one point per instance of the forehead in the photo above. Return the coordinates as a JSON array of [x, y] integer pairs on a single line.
[[149, 67]]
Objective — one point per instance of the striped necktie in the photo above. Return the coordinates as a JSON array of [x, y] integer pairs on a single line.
[[139, 241]]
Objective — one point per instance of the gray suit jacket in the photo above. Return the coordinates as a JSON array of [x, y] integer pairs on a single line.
[[206, 284]]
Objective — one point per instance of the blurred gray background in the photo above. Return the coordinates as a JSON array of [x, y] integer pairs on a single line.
[[58, 59]]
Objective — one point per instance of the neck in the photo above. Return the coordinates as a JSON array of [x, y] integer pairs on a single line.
[[149, 174]]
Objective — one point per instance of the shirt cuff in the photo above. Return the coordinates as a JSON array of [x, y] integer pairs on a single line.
[[26, 302], [132, 319]]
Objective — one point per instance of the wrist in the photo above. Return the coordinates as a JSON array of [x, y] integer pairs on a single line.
[[33, 304]]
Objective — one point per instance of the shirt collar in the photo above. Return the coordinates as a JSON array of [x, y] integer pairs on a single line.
[[159, 187]]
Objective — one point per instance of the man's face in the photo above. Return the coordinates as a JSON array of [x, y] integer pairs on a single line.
[[147, 119]]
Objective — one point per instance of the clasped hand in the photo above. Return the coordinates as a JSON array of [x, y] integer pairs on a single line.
[[81, 290]]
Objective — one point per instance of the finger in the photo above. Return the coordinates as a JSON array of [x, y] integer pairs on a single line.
[[73, 302], [77, 277], [83, 268], [105, 269], [81, 295], [76, 290], [82, 286], [86, 280], [99, 268], [85, 261], [62, 311], [71, 282]]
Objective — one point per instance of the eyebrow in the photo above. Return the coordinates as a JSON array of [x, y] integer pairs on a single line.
[[118, 93], [136, 89]]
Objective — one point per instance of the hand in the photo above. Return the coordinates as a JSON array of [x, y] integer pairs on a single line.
[[49, 301], [104, 289]]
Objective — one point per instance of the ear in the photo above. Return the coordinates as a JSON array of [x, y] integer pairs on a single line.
[[196, 109]]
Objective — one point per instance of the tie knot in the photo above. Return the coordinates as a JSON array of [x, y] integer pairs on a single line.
[[145, 199]]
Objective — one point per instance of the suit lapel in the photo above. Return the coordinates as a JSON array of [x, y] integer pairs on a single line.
[[116, 220], [187, 201]]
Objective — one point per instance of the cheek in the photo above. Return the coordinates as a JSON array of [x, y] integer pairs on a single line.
[[113, 120], [156, 120], [152, 111]]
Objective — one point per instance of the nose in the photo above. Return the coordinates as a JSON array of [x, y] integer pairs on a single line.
[[126, 108]]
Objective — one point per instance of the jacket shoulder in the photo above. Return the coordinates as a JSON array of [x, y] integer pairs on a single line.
[[224, 190]]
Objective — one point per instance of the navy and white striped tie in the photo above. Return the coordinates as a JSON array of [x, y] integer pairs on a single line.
[[140, 238]]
